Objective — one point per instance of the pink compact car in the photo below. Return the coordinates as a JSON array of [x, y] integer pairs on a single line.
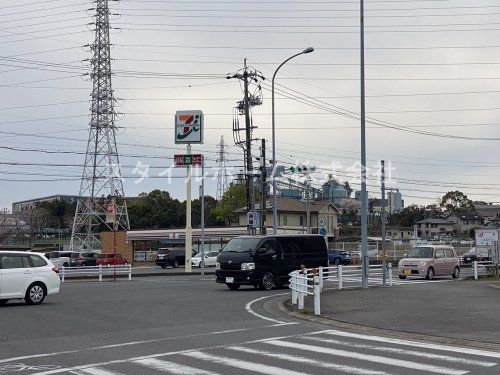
[[429, 261]]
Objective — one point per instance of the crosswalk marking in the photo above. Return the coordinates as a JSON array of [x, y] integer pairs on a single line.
[[244, 365], [94, 371], [417, 344], [309, 361], [405, 352], [368, 357], [171, 367]]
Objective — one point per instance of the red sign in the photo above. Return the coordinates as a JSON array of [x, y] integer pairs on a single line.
[[110, 208], [187, 160]]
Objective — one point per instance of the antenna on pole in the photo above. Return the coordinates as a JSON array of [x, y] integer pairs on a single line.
[[222, 173], [101, 185]]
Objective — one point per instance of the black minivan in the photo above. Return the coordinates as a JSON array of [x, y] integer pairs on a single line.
[[266, 261]]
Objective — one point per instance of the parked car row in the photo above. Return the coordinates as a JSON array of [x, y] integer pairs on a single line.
[[84, 259]]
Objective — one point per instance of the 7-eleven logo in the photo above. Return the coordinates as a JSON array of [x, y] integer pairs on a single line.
[[187, 124]]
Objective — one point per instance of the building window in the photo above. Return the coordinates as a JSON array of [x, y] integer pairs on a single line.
[[301, 220], [285, 220]]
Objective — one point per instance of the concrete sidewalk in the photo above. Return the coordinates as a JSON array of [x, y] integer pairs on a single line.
[[466, 310]]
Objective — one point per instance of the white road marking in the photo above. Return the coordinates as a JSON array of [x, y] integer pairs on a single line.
[[369, 358], [171, 367], [248, 307], [417, 344], [94, 371], [309, 361], [111, 362], [130, 343], [244, 365], [406, 352]]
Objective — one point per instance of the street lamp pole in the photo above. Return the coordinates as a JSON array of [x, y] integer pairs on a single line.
[[365, 260], [275, 208]]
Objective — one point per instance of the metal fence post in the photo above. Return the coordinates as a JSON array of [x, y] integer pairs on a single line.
[[129, 272], [294, 285], [339, 272], [100, 272], [62, 274], [384, 273], [389, 266], [321, 277], [317, 296], [475, 270], [302, 287]]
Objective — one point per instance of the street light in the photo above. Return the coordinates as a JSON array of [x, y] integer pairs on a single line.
[[275, 208]]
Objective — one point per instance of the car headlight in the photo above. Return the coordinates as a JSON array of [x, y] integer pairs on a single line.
[[247, 266], [217, 265]]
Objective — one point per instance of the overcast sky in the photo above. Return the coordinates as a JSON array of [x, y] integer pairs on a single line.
[[432, 67]]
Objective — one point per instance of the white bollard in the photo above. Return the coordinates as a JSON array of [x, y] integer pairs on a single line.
[[339, 272], [293, 284], [475, 270], [62, 274], [321, 277], [317, 296], [389, 265], [100, 272], [129, 272]]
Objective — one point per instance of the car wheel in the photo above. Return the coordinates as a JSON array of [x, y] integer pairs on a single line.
[[175, 264], [35, 294], [163, 266], [402, 277], [65, 265], [233, 286], [268, 281], [430, 273], [456, 273], [336, 261], [84, 265], [3, 301]]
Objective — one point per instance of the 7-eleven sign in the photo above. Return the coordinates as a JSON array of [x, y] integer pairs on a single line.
[[188, 127]]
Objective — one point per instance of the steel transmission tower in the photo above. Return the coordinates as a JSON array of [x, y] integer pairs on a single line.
[[101, 184], [222, 173]]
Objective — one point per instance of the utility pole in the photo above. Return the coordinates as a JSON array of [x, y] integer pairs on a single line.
[[202, 203], [248, 146], [382, 214], [364, 195], [101, 181], [248, 76], [308, 206], [263, 190]]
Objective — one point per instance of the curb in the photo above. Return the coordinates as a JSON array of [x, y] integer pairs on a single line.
[[286, 307]]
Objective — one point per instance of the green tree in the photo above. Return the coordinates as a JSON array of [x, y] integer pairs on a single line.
[[457, 202], [155, 210], [233, 199], [408, 216]]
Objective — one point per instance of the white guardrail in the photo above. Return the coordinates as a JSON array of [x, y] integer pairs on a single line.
[[487, 266], [95, 271], [312, 281]]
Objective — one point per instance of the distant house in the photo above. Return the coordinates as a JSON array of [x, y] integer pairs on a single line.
[[488, 211], [463, 223], [431, 228], [292, 216], [399, 233]]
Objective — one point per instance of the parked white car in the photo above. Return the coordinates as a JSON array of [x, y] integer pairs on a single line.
[[58, 260], [28, 276], [210, 259]]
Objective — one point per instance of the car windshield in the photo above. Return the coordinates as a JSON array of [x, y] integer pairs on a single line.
[[241, 245], [420, 252], [163, 251]]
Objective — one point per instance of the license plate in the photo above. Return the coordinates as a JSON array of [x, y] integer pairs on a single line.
[[229, 280], [406, 272]]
